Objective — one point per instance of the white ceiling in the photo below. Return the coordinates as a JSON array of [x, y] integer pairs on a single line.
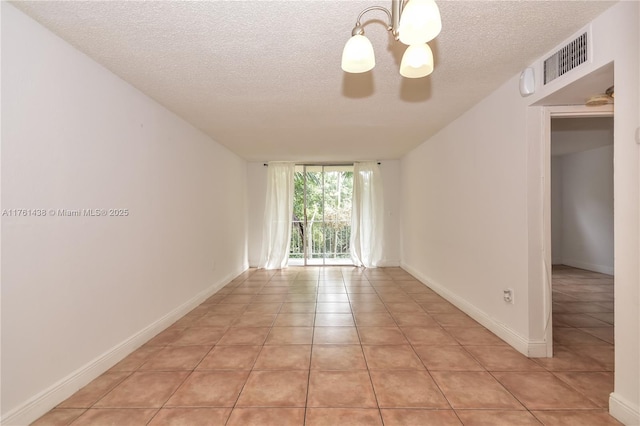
[[263, 77]]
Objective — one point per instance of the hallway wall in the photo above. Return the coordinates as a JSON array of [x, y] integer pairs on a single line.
[[583, 235], [80, 292], [473, 207]]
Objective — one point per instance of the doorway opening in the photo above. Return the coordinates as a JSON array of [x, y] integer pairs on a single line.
[[321, 227], [582, 238]]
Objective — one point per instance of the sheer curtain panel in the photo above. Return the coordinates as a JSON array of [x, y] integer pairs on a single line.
[[278, 213], [366, 215]]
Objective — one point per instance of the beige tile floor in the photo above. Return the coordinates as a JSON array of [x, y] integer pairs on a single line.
[[346, 346]]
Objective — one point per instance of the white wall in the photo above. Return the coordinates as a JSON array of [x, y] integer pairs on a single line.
[[586, 233], [464, 210], [473, 208], [557, 213], [78, 293], [390, 170]]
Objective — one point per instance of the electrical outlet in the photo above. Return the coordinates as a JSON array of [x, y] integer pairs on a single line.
[[507, 295]]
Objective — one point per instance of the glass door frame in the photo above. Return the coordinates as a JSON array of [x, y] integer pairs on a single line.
[[305, 236]]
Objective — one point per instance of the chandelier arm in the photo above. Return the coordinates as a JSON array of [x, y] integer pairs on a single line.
[[384, 9]]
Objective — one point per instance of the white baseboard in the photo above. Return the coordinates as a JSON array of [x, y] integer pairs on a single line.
[[44, 401], [623, 410], [530, 348], [603, 269]]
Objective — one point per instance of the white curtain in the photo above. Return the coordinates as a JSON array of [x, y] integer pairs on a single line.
[[366, 215], [278, 214]]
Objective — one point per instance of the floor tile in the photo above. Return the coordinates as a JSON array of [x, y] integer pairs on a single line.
[[209, 389], [143, 390], [455, 320], [343, 416], [417, 417], [573, 336], [262, 306], [333, 307], [578, 320], [338, 389], [298, 308], [594, 385], [290, 336], [254, 319], [240, 357], [245, 336], [176, 358], [288, 357], [395, 357], [59, 417], [274, 389], [286, 341], [88, 395], [191, 417], [502, 358], [338, 357], [294, 320], [566, 359], [138, 357], [497, 418], [374, 319], [166, 337], [447, 358], [414, 319], [362, 307], [381, 336], [428, 336], [235, 308], [603, 333], [332, 296], [440, 307], [110, 416], [217, 320], [474, 336], [479, 390], [542, 391], [404, 307], [266, 417], [334, 320], [335, 335], [602, 354], [576, 418], [200, 336], [407, 389]]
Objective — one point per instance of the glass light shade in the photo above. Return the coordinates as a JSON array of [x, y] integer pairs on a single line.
[[420, 22], [417, 61], [358, 55]]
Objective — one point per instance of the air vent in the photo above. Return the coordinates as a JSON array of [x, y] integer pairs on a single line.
[[566, 59]]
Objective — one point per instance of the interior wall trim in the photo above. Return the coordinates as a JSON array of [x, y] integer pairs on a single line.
[[529, 348], [625, 411], [44, 401]]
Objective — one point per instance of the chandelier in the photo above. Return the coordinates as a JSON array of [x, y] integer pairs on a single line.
[[412, 22]]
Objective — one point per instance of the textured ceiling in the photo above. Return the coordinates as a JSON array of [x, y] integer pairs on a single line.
[[263, 77]]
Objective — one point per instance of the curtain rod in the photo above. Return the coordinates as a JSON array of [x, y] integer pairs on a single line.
[[321, 164]]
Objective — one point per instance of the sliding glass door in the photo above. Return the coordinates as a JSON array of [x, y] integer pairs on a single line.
[[321, 215]]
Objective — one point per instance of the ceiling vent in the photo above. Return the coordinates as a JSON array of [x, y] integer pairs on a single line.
[[566, 58]]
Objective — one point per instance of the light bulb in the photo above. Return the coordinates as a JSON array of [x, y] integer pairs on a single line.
[[420, 22], [358, 56], [417, 61]]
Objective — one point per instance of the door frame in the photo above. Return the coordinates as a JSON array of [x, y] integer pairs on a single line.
[[305, 254], [549, 113]]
